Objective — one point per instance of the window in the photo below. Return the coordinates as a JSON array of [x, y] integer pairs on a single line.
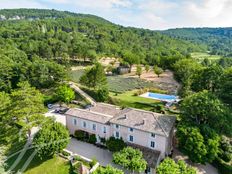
[[116, 126], [131, 129], [104, 129], [74, 121], [84, 124], [152, 145], [131, 138], [94, 127], [117, 135], [152, 135]]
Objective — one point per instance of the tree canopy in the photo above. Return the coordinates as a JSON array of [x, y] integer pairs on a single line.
[[94, 77], [108, 170], [52, 138], [169, 166], [65, 94], [131, 159]]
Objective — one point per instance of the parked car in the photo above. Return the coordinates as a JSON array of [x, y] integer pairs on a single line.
[[50, 106]]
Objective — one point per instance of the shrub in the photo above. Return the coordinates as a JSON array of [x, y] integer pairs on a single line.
[[115, 145], [81, 135], [93, 162], [103, 140], [92, 139], [222, 167], [65, 153]]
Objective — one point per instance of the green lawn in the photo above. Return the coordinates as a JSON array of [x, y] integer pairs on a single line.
[[201, 56], [128, 99], [55, 165]]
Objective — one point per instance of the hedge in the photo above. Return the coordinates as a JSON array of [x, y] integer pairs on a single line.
[[222, 167]]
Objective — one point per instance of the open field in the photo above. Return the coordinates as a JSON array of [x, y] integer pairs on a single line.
[[128, 99], [127, 82], [55, 165], [201, 56], [118, 84]]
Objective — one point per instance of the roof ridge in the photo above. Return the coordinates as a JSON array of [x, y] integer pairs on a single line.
[[85, 110], [148, 111], [107, 104], [160, 125]]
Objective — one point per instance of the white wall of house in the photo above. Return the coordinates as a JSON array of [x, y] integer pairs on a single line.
[[141, 138], [135, 136], [75, 123]]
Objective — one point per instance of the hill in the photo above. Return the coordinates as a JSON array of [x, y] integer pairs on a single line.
[[218, 40], [52, 33]]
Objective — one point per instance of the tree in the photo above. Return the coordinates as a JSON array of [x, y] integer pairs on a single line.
[[52, 138], [147, 68], [225, 89], [138, 70], [65, 94], [108, 170], [185, 72], [158, 70], [192, 143], [131, 159], [130, 58], [201, 145], [204, 108], [103, 94], [114, 144], [169, 166], [27, 108], [94, 77], [209, 78]]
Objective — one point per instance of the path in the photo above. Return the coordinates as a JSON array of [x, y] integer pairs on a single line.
[[103, 156], [202, 169], [82, 93]]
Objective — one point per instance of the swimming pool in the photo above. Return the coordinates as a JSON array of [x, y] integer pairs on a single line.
[[161, 97]]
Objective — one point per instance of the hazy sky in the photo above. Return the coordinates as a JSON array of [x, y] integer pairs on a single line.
[[151, 14]]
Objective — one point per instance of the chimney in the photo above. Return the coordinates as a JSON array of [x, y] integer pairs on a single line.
[[144, 120], [125, 117]]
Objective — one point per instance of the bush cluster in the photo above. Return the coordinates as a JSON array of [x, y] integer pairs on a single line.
[[85, 136]]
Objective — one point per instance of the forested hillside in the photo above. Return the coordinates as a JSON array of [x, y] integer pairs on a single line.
[[218, 40], [58, 33]]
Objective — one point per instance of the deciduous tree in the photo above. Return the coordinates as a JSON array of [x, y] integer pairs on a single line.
[[131, 159], [108, 170], [65, 94], [138, 70], [158, 70], [52, 138]]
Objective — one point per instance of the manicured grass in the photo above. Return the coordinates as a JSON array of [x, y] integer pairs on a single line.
[[128, 99], [55, 165], [201, 56]]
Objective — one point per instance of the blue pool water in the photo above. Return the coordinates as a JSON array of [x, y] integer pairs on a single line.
[[162, 97]]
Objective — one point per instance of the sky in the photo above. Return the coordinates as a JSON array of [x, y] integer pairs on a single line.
[[149, 14]]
